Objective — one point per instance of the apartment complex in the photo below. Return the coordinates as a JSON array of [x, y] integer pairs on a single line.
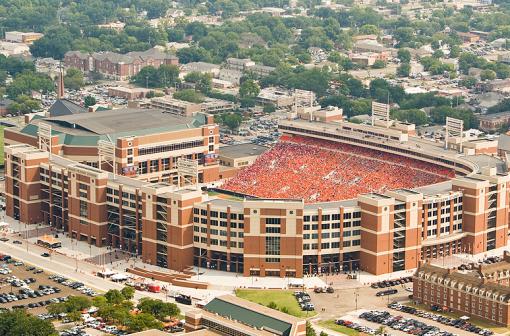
[[118, 66], [482, 292]]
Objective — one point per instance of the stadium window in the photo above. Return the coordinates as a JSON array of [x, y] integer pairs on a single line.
[[347, 233], [214, 222], [347, 215], [335, 217], [306, 246], [356, 232], [346, 244], [315, 218], [306, 218], [273, 221], [325, 235], [325, 226], [335, 225], [335, 244], [324, 245], [213, 213], [335, 234], [306, 227], [196, 211], [326, 217], [223, 215], [315, 227], [272, 229], [306, 236], [347, 224], [233, 216]]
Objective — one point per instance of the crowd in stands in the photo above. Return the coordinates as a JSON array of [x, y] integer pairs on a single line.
[[321, 171]]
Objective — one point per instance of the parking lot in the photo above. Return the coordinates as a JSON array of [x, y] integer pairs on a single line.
[[29, 286]]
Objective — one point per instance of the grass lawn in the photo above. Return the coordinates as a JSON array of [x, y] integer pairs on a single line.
[[2, 145], [478, 322], [282, 298], [330, 324]]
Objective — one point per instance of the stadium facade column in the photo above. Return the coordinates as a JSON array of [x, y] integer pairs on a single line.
[[120, 241], [341, 254], [228, 237], [319, 240], [208, 235], [376, 236]]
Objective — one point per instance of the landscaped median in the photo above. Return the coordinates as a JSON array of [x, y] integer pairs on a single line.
[[331, 325], [282, 300]]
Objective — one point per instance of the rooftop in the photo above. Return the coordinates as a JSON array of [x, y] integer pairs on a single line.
[[242, 150]]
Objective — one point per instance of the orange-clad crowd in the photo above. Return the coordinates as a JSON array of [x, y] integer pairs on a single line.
[[321, 171]]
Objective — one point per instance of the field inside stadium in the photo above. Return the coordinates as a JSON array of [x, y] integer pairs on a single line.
[[322, 171], [282, 298]]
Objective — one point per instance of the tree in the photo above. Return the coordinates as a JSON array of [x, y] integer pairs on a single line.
[[272, 305], [232, 120], [73, 79], [468, 82], [189, 95], [404, 70], [269, 108], [249, 89], [487, 75], [158, 308], [404, 55], [141, 322], [26, 82], [203, 82], [323, 334], [18, 323], [309, 329], [414, 116], [379, 64], [164, 76], [89, 101], [114, 296], [128, 292]]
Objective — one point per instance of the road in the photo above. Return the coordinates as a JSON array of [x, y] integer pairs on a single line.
[[66, 266]]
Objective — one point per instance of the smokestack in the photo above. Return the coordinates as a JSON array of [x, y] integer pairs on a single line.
[[60, 84]]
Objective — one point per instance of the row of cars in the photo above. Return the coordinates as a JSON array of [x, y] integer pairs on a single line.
[[407, 325], [40, 303], [79, 286], [304, 301], [457, 323], [356, 326], [26, 293], [391, 283]]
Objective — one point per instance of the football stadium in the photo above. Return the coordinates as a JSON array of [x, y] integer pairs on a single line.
[[329, 196]]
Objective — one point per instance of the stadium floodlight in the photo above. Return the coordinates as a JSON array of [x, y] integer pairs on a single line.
[[381, 113], [44, 134], [454, 128]]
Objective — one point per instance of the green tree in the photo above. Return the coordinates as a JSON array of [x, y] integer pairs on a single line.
[[89, 101], [468, 82], [189, 95], [114, 296], [128, 292], [309, 329], [26, 82], [158, 308], [232, 120], [404, 70], [73, 79], [249, 89], [272, 305], [19, 323], [404, 55], [141, 322], [203, 82], [487, 75], [414, 116], [379, 64]]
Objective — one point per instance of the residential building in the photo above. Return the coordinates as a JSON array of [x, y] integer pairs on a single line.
[[118, 66]]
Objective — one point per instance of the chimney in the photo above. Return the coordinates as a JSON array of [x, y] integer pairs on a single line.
[[60, 84]]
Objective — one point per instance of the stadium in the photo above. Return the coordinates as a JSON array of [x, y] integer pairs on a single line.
[[323, 171], [329, 196]]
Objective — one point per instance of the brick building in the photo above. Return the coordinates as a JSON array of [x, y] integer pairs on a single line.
[[145, 210], [482, 292], [118, 66]]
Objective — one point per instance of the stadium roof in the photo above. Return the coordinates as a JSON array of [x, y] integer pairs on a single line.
[[242, 150], [252, 314], [85, 129]]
